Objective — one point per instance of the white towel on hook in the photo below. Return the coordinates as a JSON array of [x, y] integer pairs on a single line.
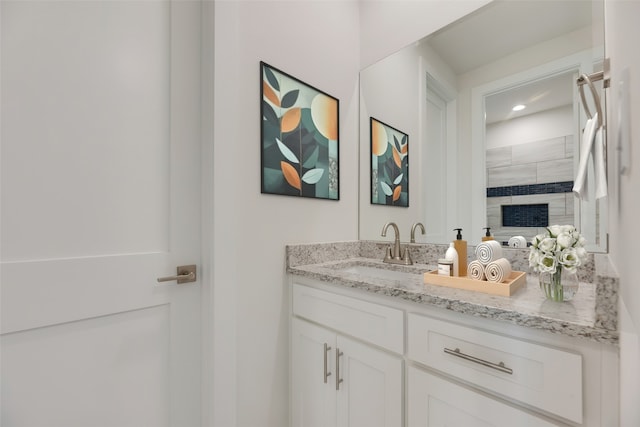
[[580, 187], [600, 164]]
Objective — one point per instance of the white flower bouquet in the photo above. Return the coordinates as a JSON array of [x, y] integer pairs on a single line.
[[561, 246]]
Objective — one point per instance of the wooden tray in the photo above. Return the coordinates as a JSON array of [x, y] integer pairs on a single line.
[[506, 288]]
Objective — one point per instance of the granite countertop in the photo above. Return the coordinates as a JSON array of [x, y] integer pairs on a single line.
[[580, 317]]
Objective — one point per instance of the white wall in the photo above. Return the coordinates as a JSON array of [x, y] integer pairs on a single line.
[[622, 34], [386, 26], [317, 42], [540, 126]]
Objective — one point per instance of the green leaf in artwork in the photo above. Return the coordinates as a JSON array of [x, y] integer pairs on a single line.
[[307, 137], [398, 179], [312, 159], [272, 179], [385, 188], [398, 147], [313, 176], [268, 114], [289, 99], [288, 154], [387, 172], [273, 81]]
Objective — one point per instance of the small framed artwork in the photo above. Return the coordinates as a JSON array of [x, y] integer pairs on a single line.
[[299, 137], [389, 165]]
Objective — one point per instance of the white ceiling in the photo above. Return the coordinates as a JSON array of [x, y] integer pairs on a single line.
[[504, 27], [541, 95]]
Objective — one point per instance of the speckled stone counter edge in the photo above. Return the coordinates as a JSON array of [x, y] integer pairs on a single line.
[[597, 270]]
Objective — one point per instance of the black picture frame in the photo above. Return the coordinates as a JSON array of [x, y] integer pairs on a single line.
[[299, 137]]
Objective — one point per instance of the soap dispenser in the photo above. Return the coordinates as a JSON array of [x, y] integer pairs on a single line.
[[461, 248], [452, 255], [487, 235]]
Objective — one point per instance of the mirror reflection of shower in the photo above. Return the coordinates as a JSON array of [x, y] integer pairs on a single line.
[[530, 135]]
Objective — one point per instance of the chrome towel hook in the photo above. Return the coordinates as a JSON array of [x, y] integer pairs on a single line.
[[596, 98]]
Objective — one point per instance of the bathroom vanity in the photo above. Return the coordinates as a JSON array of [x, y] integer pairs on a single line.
[[372, 345]]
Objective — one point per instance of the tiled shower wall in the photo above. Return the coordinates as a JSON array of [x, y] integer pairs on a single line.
[[539, 172]]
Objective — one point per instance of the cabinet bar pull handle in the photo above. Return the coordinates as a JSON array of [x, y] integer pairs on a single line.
[[338, 379], [326, 351], [497, 366]]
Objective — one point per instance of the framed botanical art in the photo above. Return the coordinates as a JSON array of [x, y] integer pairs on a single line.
[[389, 165], [299, 137]]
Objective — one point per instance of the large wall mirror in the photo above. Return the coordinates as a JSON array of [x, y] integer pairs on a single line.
[[474, 162]]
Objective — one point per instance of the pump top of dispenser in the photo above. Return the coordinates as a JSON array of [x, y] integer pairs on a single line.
[[487, 235], [459, 235]]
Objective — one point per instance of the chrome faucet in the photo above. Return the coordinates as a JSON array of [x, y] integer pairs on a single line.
[[413, 231], [393, 255]]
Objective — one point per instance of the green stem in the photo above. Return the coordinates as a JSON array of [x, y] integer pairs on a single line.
[[556, 284]]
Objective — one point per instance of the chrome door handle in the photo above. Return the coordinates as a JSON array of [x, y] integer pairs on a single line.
[[186, 274], [326, 372], [338, 379], [497, 366]]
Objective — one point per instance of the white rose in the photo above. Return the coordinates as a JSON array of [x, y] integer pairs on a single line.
[[554, 230], [565, 240], [569, 259], [534, 259], [581, 253], [547, 244], [539, 238], [548, 263], [581, 240]]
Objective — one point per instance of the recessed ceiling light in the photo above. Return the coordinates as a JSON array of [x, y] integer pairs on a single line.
[[519, 107]]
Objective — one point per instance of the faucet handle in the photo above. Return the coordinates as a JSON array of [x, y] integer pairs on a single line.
[[389, 253], [406, 256]]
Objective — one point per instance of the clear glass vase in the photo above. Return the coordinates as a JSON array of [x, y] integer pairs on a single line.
[[559, 286]]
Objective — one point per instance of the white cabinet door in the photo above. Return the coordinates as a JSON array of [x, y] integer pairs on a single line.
[[313, 388], [435, 402], [370, 393], [100, 196]]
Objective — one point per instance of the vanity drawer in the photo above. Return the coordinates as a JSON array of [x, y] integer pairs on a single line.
[[543, 377], [373, 323]]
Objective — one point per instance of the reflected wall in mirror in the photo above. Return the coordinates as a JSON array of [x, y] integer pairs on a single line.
[[529, 157], [439, 89]]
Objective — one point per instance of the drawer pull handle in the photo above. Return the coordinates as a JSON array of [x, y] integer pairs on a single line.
[[497, 366], [338, 379], [326, 372]]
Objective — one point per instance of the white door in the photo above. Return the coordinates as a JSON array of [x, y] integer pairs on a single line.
[[370, 392], [440, 157], [100, 197], [313, 386]]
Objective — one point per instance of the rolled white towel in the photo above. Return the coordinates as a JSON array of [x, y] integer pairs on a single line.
[[488, 251], [498, 270], [475, 270], [517, 242]]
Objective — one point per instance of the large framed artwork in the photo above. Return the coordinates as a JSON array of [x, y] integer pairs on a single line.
[[299, 137], [389, 165]]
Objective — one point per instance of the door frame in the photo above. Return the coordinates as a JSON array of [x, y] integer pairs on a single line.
[[209, 404]]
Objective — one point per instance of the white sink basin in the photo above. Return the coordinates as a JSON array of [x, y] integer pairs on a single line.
[[380, 273]]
